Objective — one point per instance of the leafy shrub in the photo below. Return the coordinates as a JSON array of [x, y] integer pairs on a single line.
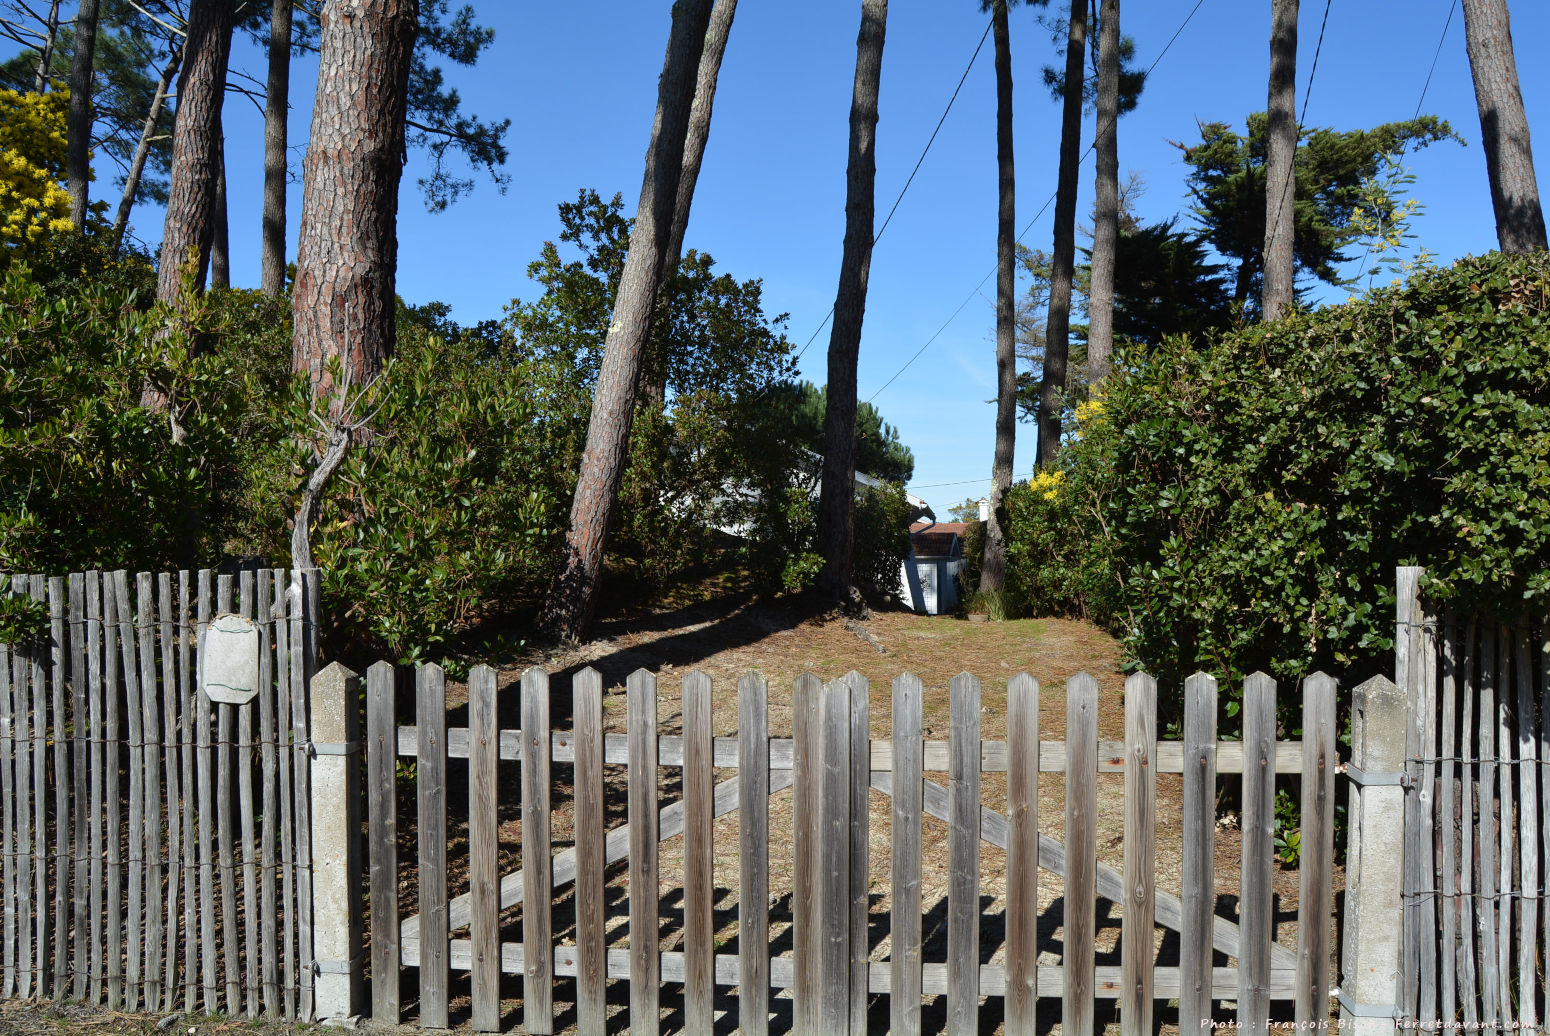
[[1058, 559], [88, 477], [1243, 502], [448, 511], [882, 523]]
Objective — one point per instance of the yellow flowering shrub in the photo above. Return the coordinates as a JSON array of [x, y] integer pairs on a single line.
[[1047, 482], [1088, 411], [32, 162]]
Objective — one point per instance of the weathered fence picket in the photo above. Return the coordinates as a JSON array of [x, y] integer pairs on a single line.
[[1477, 820], [645, 975], [116, 812], [431, 838]]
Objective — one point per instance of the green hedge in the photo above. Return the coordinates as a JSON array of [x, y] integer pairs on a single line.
[[1241, 503]]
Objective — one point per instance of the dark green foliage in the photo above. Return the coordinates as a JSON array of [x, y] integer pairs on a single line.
[[1227, 180], [879, 452], [882, 540], [437, 121], [1241, 503], [88, 478], [451, 510], [706, 459], [1164, 284]]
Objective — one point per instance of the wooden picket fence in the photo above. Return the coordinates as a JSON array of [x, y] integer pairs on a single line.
[[155, 848], [1477, 822], [831, 765]]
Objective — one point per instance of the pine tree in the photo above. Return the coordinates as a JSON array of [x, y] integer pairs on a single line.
[[568, 611], [1280, 153], [1509, 160], [837, 491]]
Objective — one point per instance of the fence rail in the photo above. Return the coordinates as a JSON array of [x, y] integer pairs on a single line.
[[831, 765], [138, 822]]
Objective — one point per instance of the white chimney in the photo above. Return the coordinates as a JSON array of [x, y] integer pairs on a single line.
[[984, 509]]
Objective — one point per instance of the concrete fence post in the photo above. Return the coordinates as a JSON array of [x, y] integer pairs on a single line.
[[336, 858], [1374, 905]]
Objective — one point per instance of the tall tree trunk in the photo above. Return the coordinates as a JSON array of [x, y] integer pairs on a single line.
[[220, 241], [993, 561], [1100, 300], [276, 115], [344, 303], [568, 611], [1063, 263], [46, 52], [837, 492], [78, 133], [1509, 161], [196, 147], [1280, 153], [720, 28], [196, 142], [143, 149], [347, 255]]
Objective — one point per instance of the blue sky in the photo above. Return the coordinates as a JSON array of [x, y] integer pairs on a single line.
[[579, 84]]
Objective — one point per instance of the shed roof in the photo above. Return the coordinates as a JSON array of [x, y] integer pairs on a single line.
[[942, 540]]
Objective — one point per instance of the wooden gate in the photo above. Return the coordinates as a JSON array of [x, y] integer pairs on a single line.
[[843, 950]]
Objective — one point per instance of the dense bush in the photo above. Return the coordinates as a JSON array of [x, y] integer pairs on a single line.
[[450, 511], [1241, 503], [87, 476], [882, 519]]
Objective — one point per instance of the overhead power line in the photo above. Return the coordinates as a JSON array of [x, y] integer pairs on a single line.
[[911, 178], [941, 485], [1440, 40], [1047, 202]]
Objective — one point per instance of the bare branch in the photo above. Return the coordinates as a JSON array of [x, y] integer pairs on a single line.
[[165, 25]]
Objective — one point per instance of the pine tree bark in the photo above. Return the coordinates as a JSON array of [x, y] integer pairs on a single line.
[[837, 491], [343, 304], [78, 129], [196, 147], [1280, 152], [993, 560], [1063, 263], [1100, 298], [720, 28], [220, 240], [568, 612], [126, 201], [1509, 160], [196, 139], [276, 115]]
